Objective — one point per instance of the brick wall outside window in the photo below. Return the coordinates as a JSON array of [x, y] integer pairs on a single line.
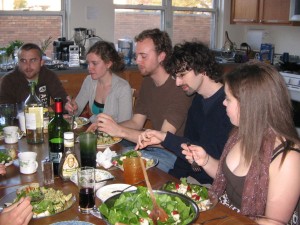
[[30, 29]]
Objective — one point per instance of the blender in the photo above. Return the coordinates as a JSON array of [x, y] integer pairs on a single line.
[[80, 36]]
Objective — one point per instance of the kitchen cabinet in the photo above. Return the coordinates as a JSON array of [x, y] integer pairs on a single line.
[[271, 12], [72, 82]]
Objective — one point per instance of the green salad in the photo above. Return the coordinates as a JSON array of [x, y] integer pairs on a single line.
[[5, 158], [196, 192], [134, 208], [118, 160], [45, 201]]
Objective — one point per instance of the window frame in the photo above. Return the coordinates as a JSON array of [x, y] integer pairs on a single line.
[[167, 12], [61, 13]]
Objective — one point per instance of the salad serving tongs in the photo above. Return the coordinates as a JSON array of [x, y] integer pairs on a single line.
[[157, 212]]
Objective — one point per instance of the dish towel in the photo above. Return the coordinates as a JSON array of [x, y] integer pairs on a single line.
[[104, 158]]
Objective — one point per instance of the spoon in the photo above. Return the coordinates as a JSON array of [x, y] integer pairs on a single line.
[[157, 212]]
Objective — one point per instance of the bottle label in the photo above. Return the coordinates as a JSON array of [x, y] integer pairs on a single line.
[[34, 118], [55, 157], [70, 165]]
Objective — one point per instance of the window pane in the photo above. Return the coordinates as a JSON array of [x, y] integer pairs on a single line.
[[129, 23], [138, 2], [192, 25], [31, 5], [30, 29], [193, 3]]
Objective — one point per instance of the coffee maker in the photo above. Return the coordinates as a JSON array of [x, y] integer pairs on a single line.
[[61, 49]]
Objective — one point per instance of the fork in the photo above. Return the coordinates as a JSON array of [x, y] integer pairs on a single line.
[[194, 165]]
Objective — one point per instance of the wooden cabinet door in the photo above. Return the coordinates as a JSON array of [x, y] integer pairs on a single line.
[[244, 11], [72, 82], [274, 12]]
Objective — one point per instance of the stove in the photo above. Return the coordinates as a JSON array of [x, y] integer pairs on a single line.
[[292, 81], [293, 84]]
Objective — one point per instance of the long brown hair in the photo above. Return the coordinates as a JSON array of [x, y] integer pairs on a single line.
[[264, 104]]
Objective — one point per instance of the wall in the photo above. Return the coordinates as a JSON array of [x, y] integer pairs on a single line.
[[98, 14], [285, 38]]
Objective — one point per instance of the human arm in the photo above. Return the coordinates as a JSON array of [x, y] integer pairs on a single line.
[[86, 93], [197, 153], [2, 169], [19, 213], [284, 187], [129, 130], [71, 105]]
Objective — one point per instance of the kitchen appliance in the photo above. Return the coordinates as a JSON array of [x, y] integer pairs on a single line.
[[80, 36], [61, 49], [125, 47], [292, 81], [295, 10]]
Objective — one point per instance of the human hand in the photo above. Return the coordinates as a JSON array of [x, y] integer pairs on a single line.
[[150, 137], [2, 169], [108, 125], [71, 105], [194, 152], [19, 213], [92, 128]]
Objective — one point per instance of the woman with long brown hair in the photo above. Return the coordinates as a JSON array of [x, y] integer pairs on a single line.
[[259, 171]]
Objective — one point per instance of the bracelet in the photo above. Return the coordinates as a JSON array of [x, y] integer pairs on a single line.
[[206, 161]]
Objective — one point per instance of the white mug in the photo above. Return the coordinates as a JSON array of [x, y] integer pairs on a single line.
[[11, 134], [28, 163]]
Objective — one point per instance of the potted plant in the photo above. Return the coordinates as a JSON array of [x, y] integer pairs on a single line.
[[11, 47]]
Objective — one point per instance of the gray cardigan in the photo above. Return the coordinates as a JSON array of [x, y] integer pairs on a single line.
[[118, 103]]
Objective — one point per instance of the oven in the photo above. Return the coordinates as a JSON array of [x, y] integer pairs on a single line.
[[292, 81]]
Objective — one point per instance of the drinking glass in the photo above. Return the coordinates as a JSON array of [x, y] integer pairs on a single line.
[[88, 149], [133, 172], [7, 115], [86, 186]]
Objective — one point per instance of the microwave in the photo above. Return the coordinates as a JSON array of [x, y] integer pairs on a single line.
[[295, 10]]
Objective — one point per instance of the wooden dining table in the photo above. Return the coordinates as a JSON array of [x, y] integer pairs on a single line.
[[13, 180]]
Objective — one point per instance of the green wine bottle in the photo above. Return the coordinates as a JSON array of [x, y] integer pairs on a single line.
[[56, 128]]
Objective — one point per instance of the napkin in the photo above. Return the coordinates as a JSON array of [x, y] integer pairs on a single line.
[[104, 158]]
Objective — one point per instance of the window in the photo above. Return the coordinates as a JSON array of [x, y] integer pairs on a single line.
[[183, 20], [31, 21]]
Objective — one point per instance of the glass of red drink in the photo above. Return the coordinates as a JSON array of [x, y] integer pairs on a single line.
[[86, 186]]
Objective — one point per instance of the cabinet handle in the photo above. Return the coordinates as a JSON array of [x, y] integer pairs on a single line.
[[244, 20], [64, 81], [274, 21]]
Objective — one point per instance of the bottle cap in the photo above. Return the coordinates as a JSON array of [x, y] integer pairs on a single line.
[[68, 135]]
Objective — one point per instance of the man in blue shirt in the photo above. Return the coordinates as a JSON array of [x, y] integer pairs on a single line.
[[193, 66]]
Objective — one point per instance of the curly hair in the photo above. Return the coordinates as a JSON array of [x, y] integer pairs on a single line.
[[107, 52], [161, 40], [194, 56]]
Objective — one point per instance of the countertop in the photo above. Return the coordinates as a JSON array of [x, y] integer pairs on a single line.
[[72, 70]]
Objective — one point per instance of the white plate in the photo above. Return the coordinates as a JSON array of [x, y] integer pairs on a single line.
[[81, 121], [109, 145], [106, 191], [144, 156], [100, 175]]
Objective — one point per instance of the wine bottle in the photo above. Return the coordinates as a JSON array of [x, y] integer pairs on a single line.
[[34, 117], [69, 162], [56, 128]]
